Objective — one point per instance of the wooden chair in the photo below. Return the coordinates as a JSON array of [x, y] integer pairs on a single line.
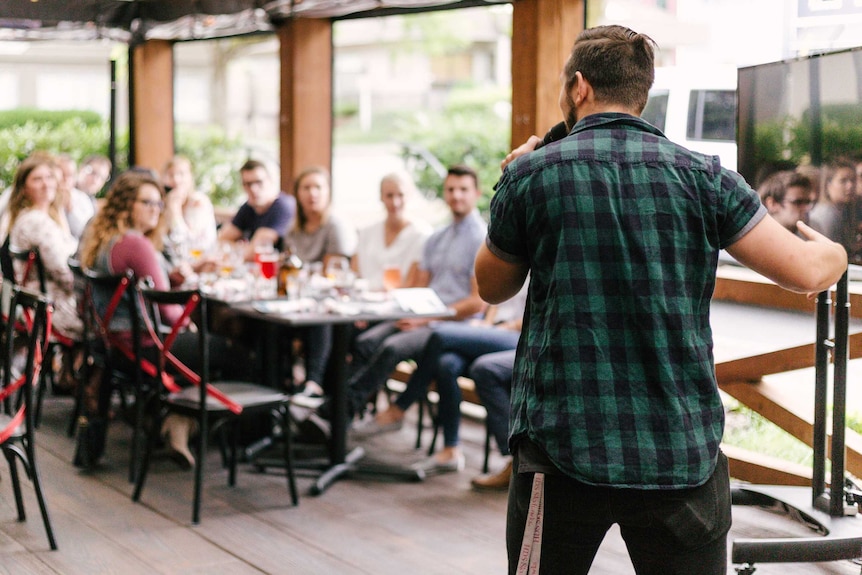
[[17, 426], [224, 402]]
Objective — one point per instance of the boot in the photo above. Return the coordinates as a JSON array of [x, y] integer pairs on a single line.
[[176, 430], [494, 481]]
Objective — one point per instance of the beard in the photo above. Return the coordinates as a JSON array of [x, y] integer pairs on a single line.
[[572, 114]]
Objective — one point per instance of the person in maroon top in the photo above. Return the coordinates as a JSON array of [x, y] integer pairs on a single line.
[[127, 234]]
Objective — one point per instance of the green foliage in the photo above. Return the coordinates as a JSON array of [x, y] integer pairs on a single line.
[[791, 139], [216, 158], [72, 136], [468, 131], [53, 118]]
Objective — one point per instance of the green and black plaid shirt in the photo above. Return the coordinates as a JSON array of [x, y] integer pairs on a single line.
[[614, 376]]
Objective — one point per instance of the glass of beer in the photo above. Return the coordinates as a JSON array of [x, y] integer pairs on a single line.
[[391, 278]]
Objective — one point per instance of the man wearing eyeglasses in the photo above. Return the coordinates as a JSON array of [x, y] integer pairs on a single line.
[[266, 215], [788, 197]]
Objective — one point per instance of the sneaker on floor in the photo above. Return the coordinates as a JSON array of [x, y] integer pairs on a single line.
[[433, 466], [370, 427], [494, 481]]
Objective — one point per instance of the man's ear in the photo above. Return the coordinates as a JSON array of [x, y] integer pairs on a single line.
[[581, 89], [770, 204]]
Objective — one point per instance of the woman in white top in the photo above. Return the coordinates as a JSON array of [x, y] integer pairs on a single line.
[[190, 213], [396, 241], [37, 220]]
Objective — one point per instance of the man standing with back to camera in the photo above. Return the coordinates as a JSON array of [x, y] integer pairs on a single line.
[[616, 416]]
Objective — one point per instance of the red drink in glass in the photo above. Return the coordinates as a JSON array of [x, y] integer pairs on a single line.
[[267, 263]]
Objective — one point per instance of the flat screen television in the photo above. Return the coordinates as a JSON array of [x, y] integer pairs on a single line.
[[801, 111]]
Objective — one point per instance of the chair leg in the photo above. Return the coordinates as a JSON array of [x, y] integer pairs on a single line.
[[485, 467], [200, 462], [43, 507], [143, 468], [420, 422], [287, 438], [435, 421], [234, 440], [16, 482]]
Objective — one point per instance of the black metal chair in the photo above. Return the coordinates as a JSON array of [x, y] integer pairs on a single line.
[[17, 426], [114, 360], [224, 402], [31, 265]]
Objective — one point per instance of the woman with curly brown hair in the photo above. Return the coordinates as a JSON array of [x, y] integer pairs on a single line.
[[127, 234]]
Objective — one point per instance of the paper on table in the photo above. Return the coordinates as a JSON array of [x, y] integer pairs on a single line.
[[422, 301], [284, 306]]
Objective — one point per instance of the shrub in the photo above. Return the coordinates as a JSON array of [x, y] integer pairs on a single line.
[[215, 156], [470, 130]]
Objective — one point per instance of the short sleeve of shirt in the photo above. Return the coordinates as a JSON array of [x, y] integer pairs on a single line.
[[505, 232], [278, 217], [739, 210]]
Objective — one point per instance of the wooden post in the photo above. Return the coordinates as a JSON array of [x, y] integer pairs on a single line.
[[151, 106], [305, 120], [543, 32]]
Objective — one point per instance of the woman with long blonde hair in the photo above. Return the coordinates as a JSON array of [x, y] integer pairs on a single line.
[[37, 221]]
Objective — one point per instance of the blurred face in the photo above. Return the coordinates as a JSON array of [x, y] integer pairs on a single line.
[[259, 189], [392, 197], [460, 194], [92, 177], [842, 186], [69, 173], [795, 207], [859, 179], [147, 208], [313, 194], [179, 178], [40, 187]]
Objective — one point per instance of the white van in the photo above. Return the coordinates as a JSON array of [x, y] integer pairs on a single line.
[[696, 109]]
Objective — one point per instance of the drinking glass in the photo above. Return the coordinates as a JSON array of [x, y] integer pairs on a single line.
[[391, 278]]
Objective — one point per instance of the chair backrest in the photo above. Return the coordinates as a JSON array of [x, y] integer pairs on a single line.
[[194, 303], [16, 390], [32, 264]]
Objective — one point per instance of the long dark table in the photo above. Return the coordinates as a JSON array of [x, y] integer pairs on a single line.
[[340, 462]]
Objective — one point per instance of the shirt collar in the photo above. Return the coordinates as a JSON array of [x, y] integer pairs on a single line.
[[607, 119]]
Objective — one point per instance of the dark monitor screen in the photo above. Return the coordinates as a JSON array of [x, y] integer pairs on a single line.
[[797, 112]]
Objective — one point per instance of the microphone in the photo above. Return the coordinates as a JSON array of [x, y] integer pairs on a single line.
[[558, 132]]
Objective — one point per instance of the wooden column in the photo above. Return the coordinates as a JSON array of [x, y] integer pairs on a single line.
[[305, 121], [543, 33], [151, 104]]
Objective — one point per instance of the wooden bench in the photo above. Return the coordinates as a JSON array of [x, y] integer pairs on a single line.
[[471, 405]]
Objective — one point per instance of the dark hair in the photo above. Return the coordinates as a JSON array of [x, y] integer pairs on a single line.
[[776, 185], [618, 63], [250, 165], [464, 170]]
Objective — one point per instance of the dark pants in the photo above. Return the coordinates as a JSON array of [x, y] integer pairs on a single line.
[[676, 532]]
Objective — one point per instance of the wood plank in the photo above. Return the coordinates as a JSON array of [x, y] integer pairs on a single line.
[[765, 470]]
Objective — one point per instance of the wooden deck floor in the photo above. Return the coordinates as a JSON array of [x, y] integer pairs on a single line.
[[359, 526]]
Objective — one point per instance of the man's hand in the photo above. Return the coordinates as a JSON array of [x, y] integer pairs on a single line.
[[524, 148], [409, 324]]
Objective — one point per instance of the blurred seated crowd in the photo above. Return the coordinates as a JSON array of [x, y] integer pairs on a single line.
[[161, 227]]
